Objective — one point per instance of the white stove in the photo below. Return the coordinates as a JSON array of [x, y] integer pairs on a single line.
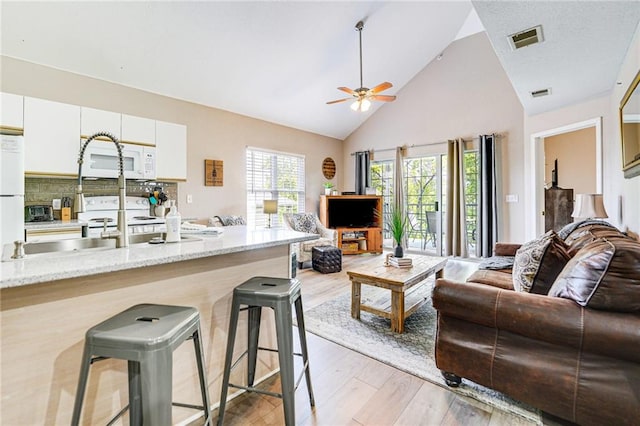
[[101, 208]]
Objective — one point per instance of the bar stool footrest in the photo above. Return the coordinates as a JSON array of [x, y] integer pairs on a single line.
[[183, 405], [256, 390]]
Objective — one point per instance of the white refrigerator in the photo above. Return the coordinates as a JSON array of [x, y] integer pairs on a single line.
[[11, 189]]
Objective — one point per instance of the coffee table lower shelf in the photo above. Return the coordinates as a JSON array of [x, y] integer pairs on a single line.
[[383, 307]]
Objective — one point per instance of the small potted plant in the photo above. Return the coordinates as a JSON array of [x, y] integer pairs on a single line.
[[397, 226], [328, 187]]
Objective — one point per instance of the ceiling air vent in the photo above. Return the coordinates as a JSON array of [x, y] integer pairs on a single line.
[[540, 93], [526, 38]]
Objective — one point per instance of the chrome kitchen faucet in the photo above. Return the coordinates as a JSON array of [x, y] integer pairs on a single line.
[[121, 234]]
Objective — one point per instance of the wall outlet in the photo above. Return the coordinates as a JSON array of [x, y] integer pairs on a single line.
[[189, 198], [56, 204], [511, 198]]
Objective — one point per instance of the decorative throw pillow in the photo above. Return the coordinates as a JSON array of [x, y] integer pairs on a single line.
[[304, 222], [604, 274], [236, 220], [538, 263], [231, 220]]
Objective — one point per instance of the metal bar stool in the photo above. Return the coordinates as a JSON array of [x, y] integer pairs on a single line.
[[279, 294], [146, 336]]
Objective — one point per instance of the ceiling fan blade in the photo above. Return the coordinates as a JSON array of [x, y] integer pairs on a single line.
[[380, 87], [346, 89], [383, 98], [338, 101]]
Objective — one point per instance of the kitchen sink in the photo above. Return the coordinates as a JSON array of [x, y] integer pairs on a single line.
[[157, 236], [67, 245], [77, 244]]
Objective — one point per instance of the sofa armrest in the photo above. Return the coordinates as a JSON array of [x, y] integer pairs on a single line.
[[539, 317], [330, 234], [505, 249]]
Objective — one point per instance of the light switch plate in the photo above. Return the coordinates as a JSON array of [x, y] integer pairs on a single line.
[[511, 198], [56, 204]]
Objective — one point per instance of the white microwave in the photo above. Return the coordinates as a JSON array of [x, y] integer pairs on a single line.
[[101, 160]]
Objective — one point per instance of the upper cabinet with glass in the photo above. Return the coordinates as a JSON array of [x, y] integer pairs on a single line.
[[630, 129]]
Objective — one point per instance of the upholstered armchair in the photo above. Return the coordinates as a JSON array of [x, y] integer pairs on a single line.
[[309, 224]]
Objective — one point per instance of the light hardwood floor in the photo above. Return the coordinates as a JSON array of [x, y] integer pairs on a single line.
[[352, 389]]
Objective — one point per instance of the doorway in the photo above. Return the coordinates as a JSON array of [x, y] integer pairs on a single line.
[[535, 182]]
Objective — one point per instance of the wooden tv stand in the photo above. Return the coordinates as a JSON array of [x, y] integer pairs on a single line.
[[354, 238], [360, 240]]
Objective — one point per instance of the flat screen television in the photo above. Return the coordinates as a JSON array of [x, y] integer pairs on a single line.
[[352, 213]]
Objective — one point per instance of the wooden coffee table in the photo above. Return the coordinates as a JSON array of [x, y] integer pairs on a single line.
[[398, 280]]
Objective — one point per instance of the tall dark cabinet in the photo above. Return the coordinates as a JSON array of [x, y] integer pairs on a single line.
[[558, 205]]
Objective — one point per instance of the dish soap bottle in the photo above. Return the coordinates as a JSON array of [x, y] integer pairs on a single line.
[[173, 221]]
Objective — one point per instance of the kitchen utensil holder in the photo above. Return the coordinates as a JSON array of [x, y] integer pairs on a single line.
[[159, 211]]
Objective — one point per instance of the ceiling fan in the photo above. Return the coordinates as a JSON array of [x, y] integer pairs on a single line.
[[363, 95]]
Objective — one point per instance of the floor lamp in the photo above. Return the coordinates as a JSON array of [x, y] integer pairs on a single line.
[[270, 207]]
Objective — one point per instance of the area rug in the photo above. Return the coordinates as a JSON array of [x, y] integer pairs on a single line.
[[411, 351]]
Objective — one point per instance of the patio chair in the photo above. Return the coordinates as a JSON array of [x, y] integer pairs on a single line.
[[432, 227]]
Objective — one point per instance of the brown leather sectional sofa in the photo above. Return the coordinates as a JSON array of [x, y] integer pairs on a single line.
[[572, 351]]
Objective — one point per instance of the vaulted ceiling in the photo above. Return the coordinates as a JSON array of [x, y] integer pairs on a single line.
[[281, 61]]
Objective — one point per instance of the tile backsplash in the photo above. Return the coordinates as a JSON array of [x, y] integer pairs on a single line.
[[45, 190]]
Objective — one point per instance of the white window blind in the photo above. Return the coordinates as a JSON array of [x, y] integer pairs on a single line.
[[273, 176]]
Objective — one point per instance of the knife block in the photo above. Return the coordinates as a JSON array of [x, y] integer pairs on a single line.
[[65, 214]]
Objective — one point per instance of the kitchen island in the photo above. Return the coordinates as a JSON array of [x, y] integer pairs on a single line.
[[49, 301]]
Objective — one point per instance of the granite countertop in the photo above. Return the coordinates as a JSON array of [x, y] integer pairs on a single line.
[[54, 224], [39, 268]]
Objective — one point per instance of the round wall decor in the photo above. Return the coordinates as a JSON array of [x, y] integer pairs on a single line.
[[328, 168]]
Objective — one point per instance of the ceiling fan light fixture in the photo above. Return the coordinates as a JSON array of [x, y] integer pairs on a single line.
[[363, 95], [362, 104]]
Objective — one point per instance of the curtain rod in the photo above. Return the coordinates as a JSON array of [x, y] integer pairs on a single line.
[[497, 136]]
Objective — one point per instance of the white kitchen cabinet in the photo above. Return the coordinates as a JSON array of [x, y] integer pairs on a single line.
[[138, 130], [51, 137], [171, 151], [11, 111], [94, 120]]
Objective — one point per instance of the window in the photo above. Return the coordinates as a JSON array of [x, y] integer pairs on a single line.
[[273, 176], [382, 181], [471, 198]]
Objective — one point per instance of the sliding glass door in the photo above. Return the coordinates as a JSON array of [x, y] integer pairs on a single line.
[[424, 202], [425, 199]]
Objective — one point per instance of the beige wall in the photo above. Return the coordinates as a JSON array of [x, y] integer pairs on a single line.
[[621, 196], [212, 133], [576, 155], [465, 94], [626, 192]]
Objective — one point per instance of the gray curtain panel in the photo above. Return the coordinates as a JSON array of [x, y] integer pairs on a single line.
[[363, 172], [456, 234], [488, 209]]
